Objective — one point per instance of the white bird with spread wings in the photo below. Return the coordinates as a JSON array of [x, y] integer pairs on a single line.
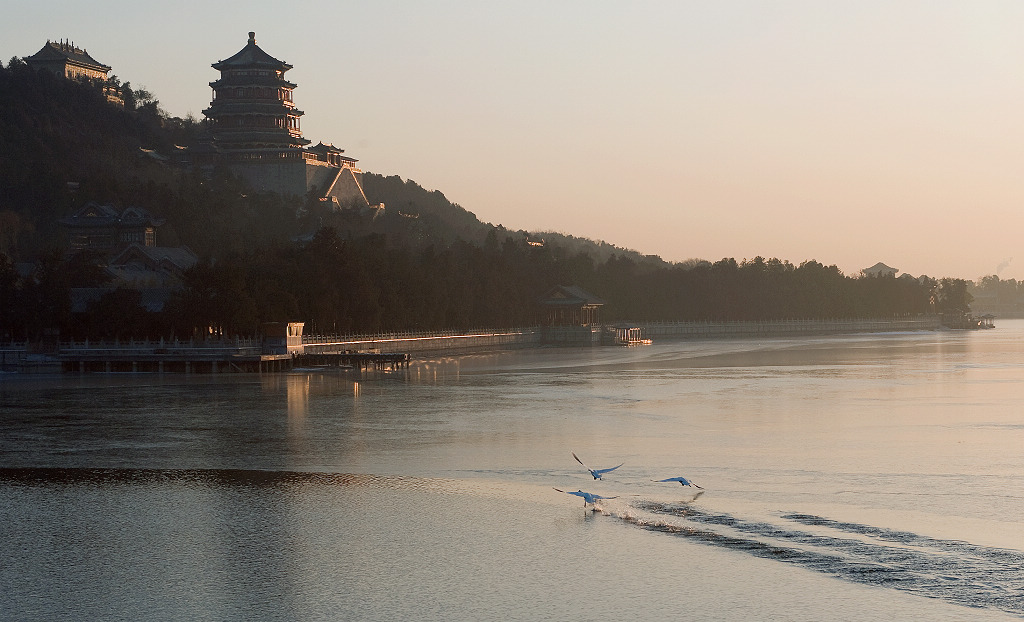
[[682, 481], [588, 497], [597, 473]]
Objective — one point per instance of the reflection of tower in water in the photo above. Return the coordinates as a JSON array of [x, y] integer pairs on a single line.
[[297, 392]]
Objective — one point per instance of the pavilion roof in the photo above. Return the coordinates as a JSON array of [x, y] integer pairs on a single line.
[[880, 268], [181, 258], [93, 214], [252, 56], [570, 295], [320, 147]]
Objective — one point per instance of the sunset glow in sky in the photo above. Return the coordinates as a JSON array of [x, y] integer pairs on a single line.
[[845, 132]]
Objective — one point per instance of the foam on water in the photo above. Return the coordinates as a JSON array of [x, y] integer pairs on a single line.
[[956, 571]]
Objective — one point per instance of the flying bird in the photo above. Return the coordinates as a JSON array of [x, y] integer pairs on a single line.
[[597, 473], [682, 481], [588, 497]]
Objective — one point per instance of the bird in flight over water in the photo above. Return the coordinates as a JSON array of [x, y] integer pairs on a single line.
[[588, 497], [597, 473], [682, 481]]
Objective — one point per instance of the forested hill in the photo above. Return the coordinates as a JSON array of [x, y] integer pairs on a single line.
[[55, 132], [406, 198], [421, 263]]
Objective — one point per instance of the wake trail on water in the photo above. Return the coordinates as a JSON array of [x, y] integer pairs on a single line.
[[956, 571]]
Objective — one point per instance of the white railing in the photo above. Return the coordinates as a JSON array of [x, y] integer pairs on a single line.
[[412, 335], [240, 345], [790, 326]]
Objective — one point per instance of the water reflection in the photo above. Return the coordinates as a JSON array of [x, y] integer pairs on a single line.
[[298, 396]]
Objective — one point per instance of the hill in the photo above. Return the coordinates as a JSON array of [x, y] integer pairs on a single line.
[[62, 144]]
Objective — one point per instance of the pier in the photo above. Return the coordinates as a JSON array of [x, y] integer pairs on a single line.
[[391, 361], [245, 355]]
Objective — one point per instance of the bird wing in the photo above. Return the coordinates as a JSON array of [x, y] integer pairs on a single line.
[[681, 480], [580, 461], [603, 471], [600, 497]]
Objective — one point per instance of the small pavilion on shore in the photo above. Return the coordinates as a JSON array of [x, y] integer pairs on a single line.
[[569, 305]]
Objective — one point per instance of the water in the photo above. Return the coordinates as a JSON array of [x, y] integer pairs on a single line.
[[845, 478]]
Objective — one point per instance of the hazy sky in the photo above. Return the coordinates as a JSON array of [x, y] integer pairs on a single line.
[[845, 132]]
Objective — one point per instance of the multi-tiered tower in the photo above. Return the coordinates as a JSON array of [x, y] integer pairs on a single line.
[[256, 131], [253, 115]]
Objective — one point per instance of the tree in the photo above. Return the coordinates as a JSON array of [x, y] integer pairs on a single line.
[[951, 297]]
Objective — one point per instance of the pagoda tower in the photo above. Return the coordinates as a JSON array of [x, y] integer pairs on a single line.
[[252, 114], [255, 131]]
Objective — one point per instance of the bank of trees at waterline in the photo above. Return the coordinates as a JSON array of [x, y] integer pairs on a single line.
[[365, 285]]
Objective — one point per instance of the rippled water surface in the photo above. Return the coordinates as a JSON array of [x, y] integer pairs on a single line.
[[845, 478]]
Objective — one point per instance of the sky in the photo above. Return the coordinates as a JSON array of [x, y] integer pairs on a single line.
[[846, 132]]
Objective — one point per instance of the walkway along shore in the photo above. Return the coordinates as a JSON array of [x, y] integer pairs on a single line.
[[388, 350]]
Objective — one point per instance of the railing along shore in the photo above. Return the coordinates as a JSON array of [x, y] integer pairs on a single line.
[[14, 355], [420, 341], [233, 345], [785, 327]]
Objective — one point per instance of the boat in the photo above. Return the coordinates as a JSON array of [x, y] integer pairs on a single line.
[[627, 335]]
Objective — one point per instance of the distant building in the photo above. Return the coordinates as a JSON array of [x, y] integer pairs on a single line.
[[147, 267], [156, 272], [568, 305], [256, 131], [879, 269], [67, 60], [108, 230]]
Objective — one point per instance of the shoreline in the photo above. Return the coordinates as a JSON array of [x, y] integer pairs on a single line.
[[226, 356]]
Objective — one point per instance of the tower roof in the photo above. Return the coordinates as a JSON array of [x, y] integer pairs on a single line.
[[321, 148], [880, 268], [252, 56], [64, 51]]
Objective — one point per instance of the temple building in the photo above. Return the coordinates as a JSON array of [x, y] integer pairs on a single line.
[[67, 60], [256, 131], [64, 59], [107, 230], [880, 269]]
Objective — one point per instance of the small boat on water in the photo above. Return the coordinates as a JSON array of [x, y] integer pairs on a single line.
[[627, 335]]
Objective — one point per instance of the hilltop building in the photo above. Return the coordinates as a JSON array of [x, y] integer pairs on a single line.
[[880, 269], [255, 129], [67, 60], [64, 59]]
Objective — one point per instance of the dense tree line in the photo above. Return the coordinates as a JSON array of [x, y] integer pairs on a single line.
[[420, 263], [365, 285]]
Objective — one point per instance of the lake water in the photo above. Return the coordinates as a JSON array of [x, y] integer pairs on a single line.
[[856, 477]]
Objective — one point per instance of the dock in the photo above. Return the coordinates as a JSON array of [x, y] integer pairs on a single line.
[[390, 361], [239, 355]]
